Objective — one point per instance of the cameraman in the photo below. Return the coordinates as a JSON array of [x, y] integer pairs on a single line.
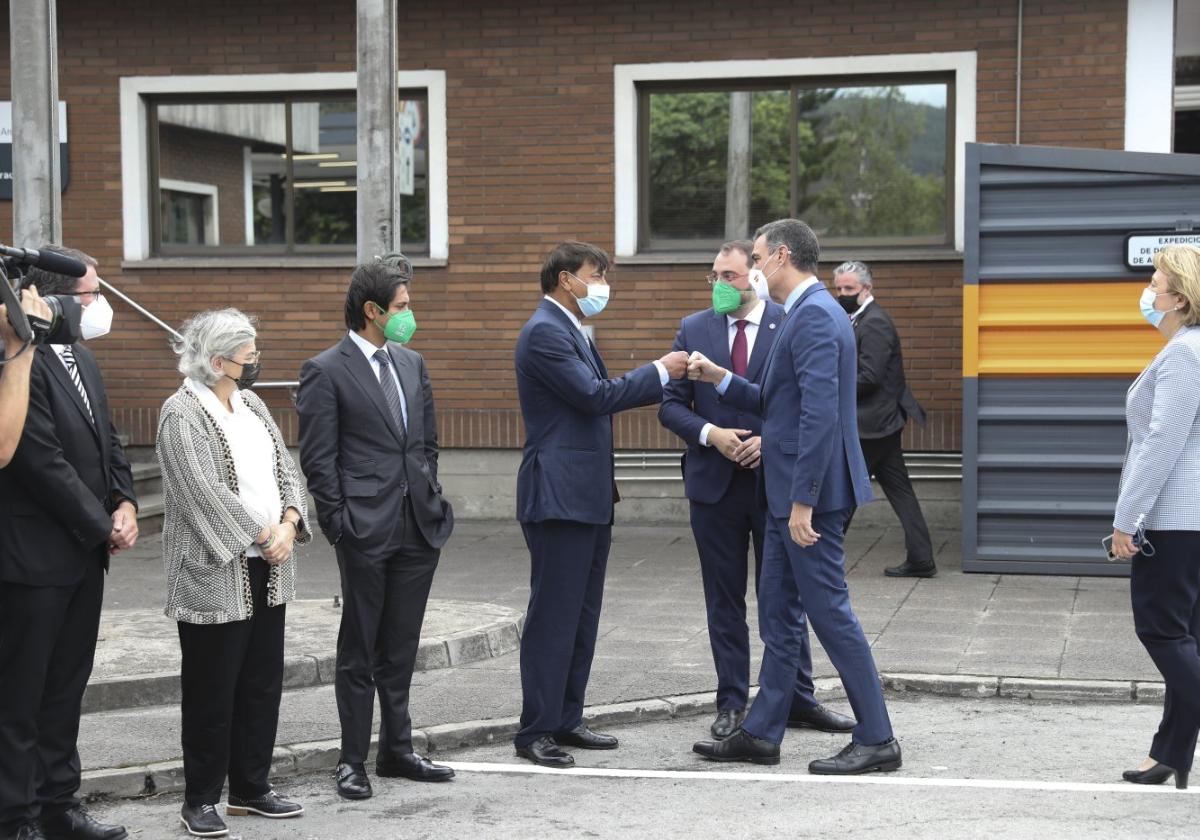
[[14, 376], [66, 505]]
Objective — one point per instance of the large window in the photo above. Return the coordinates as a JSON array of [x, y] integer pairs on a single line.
[[867, 162], [279, 174]]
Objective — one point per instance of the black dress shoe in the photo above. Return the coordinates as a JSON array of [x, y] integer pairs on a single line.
[[412, 766], [1156, 775], [31, 830], [77, 824], [856, 759], [203, 821], [740, 746], [727, 721], [352, 781], [907, 569], [270, 804], [821, 719], [585, 739], [545, 753]]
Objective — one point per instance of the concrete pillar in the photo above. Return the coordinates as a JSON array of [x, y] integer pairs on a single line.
[[378, 199], [737, 181], [37, 200]]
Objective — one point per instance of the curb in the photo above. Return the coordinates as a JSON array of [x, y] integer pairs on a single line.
[[313, 756], [157, 689]]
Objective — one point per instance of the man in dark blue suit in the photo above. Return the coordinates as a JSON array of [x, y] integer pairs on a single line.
[[814, 475], [719, 479], [565, 495]]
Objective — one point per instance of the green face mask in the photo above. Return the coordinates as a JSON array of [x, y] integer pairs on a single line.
[[725, 298], [400, 327]]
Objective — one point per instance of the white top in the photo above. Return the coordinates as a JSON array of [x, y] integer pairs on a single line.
[[663, 377], [753, 320], [369, 350], [253, 455]]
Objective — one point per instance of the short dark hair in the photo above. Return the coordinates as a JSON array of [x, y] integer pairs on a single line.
[[52, 283], [799, 238], [743, 245], [375, 281], [570, 256]]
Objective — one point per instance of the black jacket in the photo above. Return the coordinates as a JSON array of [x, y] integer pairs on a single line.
[[66, 478], [884, 401]]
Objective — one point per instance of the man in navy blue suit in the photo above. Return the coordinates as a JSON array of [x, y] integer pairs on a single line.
[[719, 479], [814, 475], [565, 495]]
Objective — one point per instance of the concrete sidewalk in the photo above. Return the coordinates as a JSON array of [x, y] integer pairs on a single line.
[[975, 635]]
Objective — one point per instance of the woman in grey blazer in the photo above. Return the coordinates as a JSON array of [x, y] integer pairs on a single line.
[[1157, 521], [234, 507]]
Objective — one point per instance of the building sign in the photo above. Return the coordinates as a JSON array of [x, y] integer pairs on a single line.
[[409, 134], [6, 138], [1140, 248]]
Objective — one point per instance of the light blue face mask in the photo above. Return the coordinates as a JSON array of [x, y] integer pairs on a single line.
[[1146, 303], [596, 299]]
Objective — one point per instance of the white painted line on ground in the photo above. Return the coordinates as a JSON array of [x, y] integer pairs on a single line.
[[872, 779]]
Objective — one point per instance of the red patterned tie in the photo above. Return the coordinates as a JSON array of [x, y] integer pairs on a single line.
[[738, 353]]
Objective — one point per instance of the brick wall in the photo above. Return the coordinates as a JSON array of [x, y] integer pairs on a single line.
[[530, 107], [186, 154]]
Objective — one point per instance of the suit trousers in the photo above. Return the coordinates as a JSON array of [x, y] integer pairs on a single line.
[[384, 593], [798, 580], [885, 461], [566, 587], [232, 680], [1165, 593], [47, 643], [724, 532]]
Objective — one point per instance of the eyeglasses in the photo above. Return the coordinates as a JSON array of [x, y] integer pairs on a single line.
[[724, 277], [87, 297], [252, 359]]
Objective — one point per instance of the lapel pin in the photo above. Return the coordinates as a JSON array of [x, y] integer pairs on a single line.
[[770, 326]]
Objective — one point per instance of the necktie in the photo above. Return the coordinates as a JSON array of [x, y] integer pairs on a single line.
[[68, 357], [738, 354], [387, 384]]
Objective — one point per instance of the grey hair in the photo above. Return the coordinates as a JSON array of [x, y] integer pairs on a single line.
[[860, 269], [801, 242], [743, 245], [218, 332]]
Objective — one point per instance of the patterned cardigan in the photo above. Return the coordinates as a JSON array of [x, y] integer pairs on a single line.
[[206, 528]]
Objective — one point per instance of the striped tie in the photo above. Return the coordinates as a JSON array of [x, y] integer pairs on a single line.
[[68, 357], [388, 385]]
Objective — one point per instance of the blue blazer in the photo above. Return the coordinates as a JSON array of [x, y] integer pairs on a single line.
[[810, 448], [567, 402], [688, 405]]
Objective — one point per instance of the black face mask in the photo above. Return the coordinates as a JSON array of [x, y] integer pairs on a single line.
[[250, 372], [849, 303]]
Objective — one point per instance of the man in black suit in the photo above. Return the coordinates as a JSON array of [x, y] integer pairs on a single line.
[[884, 405], [369, 449], [66, 505]]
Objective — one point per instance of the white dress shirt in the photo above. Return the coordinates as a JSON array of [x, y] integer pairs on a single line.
[[854, 315], [663, 376], [253, 453], [369, 350], [753, 320]]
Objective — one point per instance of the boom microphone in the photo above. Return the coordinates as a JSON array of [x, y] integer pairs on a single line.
[[46, 260]]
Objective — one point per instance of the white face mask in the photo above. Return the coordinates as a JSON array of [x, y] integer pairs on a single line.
[[96, 320], [758, 281]]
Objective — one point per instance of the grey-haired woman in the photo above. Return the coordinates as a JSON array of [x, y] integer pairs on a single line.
[[234, 507]]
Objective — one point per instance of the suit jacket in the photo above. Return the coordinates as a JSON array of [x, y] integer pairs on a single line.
[[688, 405], [358, 464], [567, 401], [884, 401], [1159, 489], [66, 478], [810, 448]]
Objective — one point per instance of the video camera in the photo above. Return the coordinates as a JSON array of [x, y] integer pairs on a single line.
[[63, 327]]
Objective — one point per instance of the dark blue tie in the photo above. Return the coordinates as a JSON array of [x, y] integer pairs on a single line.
[[387, 384]]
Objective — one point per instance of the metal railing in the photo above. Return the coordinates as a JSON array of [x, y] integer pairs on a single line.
[[664, 466]]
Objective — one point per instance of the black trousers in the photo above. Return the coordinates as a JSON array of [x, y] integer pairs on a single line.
[[724, 532], [566, 589], [885, 461], [232, 680], [47, 642], [384, 593], [1165, 594]]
